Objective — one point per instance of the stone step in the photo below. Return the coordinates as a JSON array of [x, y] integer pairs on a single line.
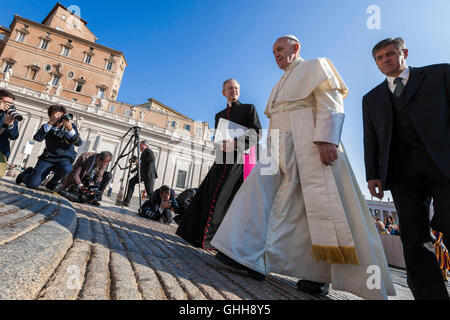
[[33, 241]]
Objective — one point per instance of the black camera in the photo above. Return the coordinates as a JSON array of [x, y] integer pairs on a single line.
[[77, 195], [12, 111], [67, 116]]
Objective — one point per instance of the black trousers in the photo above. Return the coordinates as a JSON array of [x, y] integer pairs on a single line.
[[149, 185], [107, 177], [415, 182], [166, 215]]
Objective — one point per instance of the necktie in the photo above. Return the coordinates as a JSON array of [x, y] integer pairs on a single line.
[[399, 86]]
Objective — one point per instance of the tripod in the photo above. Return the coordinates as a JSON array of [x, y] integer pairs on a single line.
[[134, 141]]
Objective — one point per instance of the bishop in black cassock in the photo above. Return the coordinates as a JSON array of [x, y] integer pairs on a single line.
[[210, 204]]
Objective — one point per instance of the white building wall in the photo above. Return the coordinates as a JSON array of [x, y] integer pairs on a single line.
[[104, 131]]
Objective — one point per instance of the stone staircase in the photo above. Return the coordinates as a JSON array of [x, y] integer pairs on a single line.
[[51, 249], [36, 230]]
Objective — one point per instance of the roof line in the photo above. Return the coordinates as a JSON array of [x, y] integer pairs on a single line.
[[67, 35], [174, 111], [59, 5], [5, 28]]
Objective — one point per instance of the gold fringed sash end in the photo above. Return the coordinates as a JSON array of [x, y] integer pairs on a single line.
[[338, 255]]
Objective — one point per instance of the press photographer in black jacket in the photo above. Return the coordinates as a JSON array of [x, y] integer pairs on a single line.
[[160, 206], [148, 173], [60, 136]]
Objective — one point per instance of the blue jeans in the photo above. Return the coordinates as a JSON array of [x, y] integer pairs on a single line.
[[34, 178]]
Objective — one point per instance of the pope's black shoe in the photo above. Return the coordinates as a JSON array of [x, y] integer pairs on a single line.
[[314, 288], [236, 265]]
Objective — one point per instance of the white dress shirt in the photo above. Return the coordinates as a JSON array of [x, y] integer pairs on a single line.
[[404, 75]]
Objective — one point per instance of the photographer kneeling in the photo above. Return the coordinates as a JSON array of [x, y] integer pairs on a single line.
[[88, 179], [160, 206], [60, 136], [8, 125]]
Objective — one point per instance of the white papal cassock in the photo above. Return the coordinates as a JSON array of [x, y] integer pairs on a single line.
[[307, 220]]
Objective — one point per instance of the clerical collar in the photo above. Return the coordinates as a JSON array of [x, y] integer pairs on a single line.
[[294, 64], [234, 103]]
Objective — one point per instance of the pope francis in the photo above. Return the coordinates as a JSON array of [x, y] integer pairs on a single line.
[[308, 219]]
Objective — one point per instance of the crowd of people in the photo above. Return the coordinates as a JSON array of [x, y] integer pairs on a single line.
[[300, 211], [388, 226]]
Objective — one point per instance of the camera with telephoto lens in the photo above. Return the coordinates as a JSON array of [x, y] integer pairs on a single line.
[[12, 111], [91, 194]]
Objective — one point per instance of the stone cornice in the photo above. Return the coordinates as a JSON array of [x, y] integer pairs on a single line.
[[10, 60], [67, 44], [33, 67], [110, 59], [46, 38], [83, 81], [89, 52], [23, 30]]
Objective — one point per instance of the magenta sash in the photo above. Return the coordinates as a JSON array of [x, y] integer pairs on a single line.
[[249, 161]]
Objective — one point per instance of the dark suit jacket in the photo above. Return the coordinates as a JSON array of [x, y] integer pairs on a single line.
[[154, 203], [6, 135], [80, 170], [244, 115], [148, 168], [428, 106], [58, 147]]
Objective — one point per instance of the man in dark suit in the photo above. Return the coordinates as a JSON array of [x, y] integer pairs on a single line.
[[148, 173], [160, 206], [407, 150], [60, 135]]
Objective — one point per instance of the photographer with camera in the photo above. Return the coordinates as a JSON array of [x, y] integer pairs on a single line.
[[148, 172], [60, 135], [161, 205], [88, 179], [9, 129]]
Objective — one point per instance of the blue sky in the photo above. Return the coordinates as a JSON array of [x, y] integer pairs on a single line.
[[179, 52]]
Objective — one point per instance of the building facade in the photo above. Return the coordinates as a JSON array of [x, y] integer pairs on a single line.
[[59, 61], [382, 209]]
